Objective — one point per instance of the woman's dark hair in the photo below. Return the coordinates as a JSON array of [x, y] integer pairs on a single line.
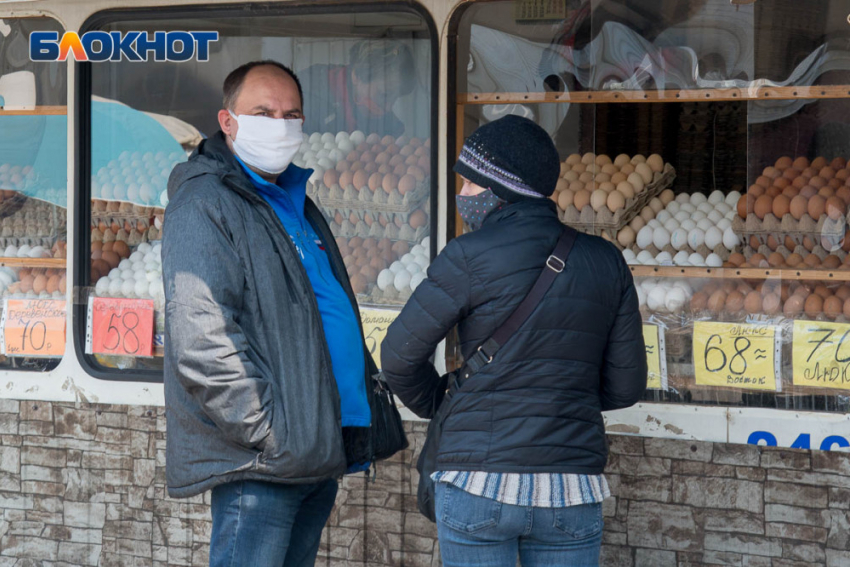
[[233, 82]]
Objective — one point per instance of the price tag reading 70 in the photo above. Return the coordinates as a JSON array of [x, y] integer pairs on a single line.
[[736, 355], [121, 326], [821, 355], [33, 327]]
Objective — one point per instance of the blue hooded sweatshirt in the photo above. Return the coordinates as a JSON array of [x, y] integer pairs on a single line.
[[342, 330]]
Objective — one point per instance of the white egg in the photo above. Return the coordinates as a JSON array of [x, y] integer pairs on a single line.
[[655, 301], [328, 138], [24, 251], [408, 259], [683, 285], [713, 237], [158, 223], [136, 256], [115, 287], [660, 237], [682, 216], [396, 267], [697, 216], [722, 208], [102, 286], [345, 146], [688, 208], [679, 238], [680, 257], [705, 224], [416, 280], [628, 255], [385, 279], [142, 289], [716, 197], [357, 137], [153, 276], [644, 256], [322, 154], [688, 224], [128, 275], [731, 215], [144, 247], [326, 164], [336, 155], [128, 288], [11, 251], [715, 216], [140, 275], [672, 207], [315, 137], [695, 239], [664, 257], [654, 224], [6, 279], [644, 239], [39, 252], [426, 243], [641, 297], [402, 280], [342, 136], [671, 225], [157, 249], [114, 274], [413, 268], [696, 259], [733, 198], [705, 208], [663, 217], [650, 262], [648, 284], [157, 291], [683, 198], [150, 267], [713, 261], [417, 250], [423, 261], [723, 224], [698, 199], [730, 239], [675, 299]]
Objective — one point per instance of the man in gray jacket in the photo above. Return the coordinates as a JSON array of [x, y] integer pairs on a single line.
[[266, 369]]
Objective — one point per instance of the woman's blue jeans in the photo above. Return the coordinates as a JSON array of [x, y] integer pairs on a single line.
[[479, 532]]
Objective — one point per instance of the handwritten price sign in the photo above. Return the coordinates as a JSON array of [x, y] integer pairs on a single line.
[[736, 355], [121, 327], [821, 355], [656, 359], [33, 327], [375, 325]]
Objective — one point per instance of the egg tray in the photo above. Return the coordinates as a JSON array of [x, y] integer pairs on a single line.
[[390, 296], [45, 241], [819, 251], [346, 232], [589, 221], [788, 226], [702, 250], [414, 199]]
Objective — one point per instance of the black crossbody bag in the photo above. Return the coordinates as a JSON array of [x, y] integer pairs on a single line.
[[427, 462]]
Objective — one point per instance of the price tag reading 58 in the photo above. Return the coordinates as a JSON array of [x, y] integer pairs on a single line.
[[736, 355], [120, 326]]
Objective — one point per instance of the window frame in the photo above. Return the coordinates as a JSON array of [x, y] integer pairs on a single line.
[[82, 137]]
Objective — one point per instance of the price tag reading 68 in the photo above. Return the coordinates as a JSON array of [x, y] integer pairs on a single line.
[[736, 355], [120, 326]]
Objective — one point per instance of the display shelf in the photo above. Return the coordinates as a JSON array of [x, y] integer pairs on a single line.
[[34, 262], [682, 95], [739, 273], [37, 111]]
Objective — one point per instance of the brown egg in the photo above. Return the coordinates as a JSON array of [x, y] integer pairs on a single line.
[[764, 181], [358, 283], [39, 283], [110, 258], [809, 172], [817, 182], [771, 172], [618, 178], [781, 206], [345, 179], [616, 201], [793, 306], [817, 206], [771, 304], [798, 206], [826, 172], [581, 199], [775, 260], [800, 163], [838, 163], [842, 174], [26, 283], [416, 172], [843, 292], [833, 306], [781, 182], [812, 261], [799, 181], [826, 192], [745, 205], [753, 302], [757, 190], [808, 192], [418, 219], [53, 284], [835, 184], [793, 260], [699, 301], [789, 243], [783, 163], [813, 305], [598, 199], [818, 162], [330, 178], [835, 208], [735, 302], [808, 243], [375, 181], [406, 183], [717, 301], [772, 243], [360, 179], [822, 291], [758, 261], [831, 262], [736, 258], [847, 308]]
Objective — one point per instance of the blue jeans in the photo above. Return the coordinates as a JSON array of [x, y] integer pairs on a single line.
[[479, 532], [262, 524]]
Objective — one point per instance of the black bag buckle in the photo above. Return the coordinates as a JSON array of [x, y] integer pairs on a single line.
[[488, 358], [555, 264]]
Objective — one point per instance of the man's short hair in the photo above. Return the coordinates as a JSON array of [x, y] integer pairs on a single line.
[[233, 82], [387, 60]]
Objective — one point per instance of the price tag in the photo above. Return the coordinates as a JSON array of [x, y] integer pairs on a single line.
[[737, 355], [122, 327], [33, 327], [375, 325], [656, 357], [821, 355]]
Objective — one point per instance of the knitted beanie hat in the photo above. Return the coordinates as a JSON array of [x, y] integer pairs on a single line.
[[513, 157]]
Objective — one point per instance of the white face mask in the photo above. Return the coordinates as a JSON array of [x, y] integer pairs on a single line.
[[269, 144]]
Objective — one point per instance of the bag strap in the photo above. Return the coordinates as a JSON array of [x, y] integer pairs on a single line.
[[555, 264]]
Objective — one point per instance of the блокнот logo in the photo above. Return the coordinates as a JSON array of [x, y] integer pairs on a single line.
[[97, 46]]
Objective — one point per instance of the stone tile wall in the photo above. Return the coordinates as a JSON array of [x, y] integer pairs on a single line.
[[83, 484]]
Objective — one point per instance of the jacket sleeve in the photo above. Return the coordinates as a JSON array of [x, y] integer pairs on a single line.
[[206, 346], [435, 308], [624, 370]]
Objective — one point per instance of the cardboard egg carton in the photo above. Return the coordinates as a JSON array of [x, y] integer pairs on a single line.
[[702, 250], [590, 222], [788, 226], [337, 198]]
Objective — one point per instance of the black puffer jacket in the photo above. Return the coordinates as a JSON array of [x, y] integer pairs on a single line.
[[537, 407]]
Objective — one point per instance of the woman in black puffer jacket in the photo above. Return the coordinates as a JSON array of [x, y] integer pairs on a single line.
[[522, 453]]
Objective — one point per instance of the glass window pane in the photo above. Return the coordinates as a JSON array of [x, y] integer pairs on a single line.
[[33, 193], [366, 79]]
